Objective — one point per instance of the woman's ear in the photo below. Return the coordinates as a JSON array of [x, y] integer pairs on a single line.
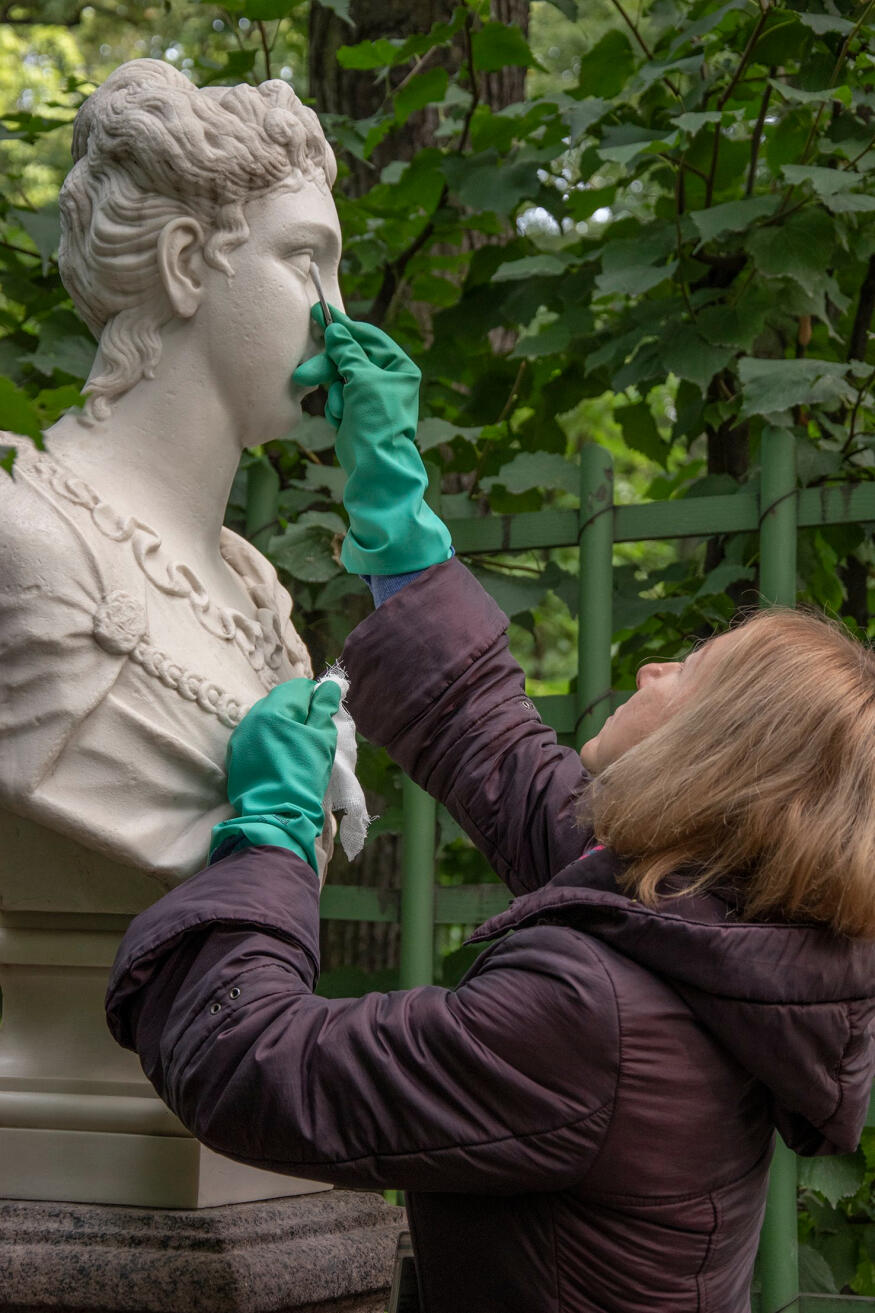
[[181, 264]]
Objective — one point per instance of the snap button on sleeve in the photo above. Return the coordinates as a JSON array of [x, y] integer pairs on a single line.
[[217, 1007], [234, 993]]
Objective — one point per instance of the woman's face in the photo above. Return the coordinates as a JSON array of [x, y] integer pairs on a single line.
[[663, 687]]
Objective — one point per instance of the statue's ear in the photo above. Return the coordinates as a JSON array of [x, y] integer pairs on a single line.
[[180, 262]]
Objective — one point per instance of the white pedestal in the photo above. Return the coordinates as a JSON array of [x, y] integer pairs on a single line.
[[79, 1122]]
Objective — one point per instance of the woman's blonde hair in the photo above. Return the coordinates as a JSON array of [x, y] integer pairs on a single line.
[[761, 782]]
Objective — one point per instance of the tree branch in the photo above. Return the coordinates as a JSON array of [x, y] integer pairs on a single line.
[[633, 28], [394, 271], [859, 338], [756, 140], [265, 47]]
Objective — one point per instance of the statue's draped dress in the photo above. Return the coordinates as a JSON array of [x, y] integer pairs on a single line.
[[120, 678]]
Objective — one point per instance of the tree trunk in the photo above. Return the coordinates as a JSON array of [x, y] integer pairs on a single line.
[[358, 94]]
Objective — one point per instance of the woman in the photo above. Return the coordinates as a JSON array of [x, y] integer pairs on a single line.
[[586, 1122]]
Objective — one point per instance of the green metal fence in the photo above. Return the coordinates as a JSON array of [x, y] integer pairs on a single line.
[[777, 511]]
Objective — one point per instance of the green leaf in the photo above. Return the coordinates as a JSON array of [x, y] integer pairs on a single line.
[[331, 478], [815, 1275], [687, 354], [822, 23], [798, 249], [566, 7], [433, 431], [550, 340], [841, 1249], [544, 265], [421, 90], [692, 122], [580, 115], [621, 144], [63, 346], [7, 457], [500, 45], [834, 1177], [712, 19], [53, 402], [304, 549], [313, 433], [484, 182], [640, 432], [535, 469], [826, 182], [655, 69], [782, 40], [806, 97], [631, 612], [340, 8], [238, 66], [724, 574], [732, 216], [605, 69], [17, 412], [635, 279], [265, 11], [736, 326], [775, 386], [850, 202], [368, 54], [513, 593], [43, 227]]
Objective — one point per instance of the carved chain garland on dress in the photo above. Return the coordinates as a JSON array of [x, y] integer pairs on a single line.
[[120, 620]]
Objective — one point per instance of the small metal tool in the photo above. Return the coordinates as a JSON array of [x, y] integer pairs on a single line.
[[317, 283], [329, 318]]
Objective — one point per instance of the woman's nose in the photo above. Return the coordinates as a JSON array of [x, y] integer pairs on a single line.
[[653, 670]]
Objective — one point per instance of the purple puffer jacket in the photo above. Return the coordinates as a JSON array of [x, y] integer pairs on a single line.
[[586, 1121]]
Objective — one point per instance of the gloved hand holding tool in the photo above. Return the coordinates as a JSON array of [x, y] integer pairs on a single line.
[[279, 763], [373, 401]]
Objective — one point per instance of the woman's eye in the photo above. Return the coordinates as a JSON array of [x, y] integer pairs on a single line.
[[301, 260]]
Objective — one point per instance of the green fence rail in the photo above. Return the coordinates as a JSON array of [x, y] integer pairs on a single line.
[[777, 512]]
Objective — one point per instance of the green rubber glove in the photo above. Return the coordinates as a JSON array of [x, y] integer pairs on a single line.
[[373, 399], [279, 762]]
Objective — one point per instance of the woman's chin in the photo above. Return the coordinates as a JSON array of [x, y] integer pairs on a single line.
[[589, 756]]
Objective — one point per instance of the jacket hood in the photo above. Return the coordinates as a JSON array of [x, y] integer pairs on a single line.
[[794, 1004]]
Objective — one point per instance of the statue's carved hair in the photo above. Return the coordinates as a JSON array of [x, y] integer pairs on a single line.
[[148, 147], [762, 781]]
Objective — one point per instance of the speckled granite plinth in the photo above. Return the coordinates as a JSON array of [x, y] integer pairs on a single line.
[[312, 1254]]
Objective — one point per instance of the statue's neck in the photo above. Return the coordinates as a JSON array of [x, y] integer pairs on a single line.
[[169, 460]]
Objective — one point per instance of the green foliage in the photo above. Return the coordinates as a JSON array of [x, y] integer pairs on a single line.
[[837, 1221]]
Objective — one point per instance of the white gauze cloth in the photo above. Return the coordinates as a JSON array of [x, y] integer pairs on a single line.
[[344, 793]]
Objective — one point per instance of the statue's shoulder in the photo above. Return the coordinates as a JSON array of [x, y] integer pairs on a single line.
[[39, 540]]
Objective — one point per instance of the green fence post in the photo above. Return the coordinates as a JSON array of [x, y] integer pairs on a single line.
[[778, 518], [594, 621], [417, 888], [779, 1245], [262, 496]]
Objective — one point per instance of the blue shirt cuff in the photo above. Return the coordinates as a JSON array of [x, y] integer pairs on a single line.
[[383, 586]]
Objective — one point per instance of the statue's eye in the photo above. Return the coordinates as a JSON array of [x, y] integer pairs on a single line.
[[301, 260]]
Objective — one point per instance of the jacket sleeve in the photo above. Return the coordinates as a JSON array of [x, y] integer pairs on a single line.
[[432, 681], [502, 1085]]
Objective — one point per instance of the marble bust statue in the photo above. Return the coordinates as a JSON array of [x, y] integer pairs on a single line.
[[135, 630]]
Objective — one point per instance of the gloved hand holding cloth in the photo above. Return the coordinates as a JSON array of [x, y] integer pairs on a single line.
[[373, 400], [279, 762]]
